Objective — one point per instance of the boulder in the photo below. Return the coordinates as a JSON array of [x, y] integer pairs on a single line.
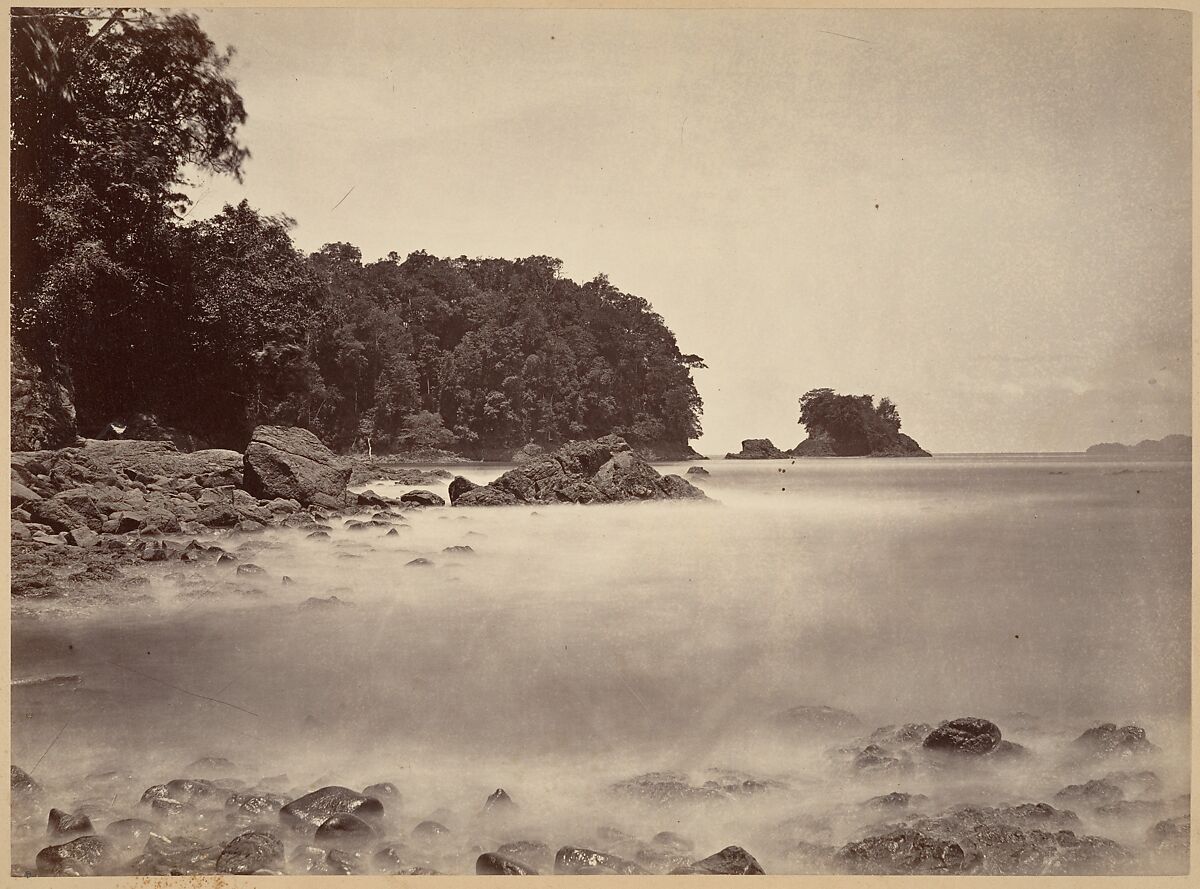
[[1094, 793], [1108, 740], [697, 470], [576, 860], [291, 463], [82, 857], [344, 831], [310, 811], [422, 498], [901, 852], [968, 735], [730, 861], [600, 471], [495, 864], [460, 486], [250, 852], [62, 824], [499, 801], [758, 449]]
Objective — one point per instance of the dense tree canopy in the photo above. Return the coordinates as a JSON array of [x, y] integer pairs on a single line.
[[216, 325], [855, 422]]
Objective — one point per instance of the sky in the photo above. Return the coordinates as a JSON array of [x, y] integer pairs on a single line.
[[985, 215]]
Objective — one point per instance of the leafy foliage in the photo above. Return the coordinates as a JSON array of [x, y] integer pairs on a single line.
[[220, 324], [854, 422]]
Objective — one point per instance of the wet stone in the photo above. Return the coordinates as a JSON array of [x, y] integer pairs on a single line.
[[902, 852], [537, 855], [968, 735], [63, 824], [430, 830], [84, 856], [730, 861], [1095, 792], [576, 860], [310, 810], [384, 791], [494, 864], [250, 852], [499, 801], [1107, 739], [344, 831]]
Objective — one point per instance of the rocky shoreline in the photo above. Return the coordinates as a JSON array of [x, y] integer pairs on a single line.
[[82, 514], [219, 819]]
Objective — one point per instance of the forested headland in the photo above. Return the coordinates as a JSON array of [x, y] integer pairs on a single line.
[[126, 308]]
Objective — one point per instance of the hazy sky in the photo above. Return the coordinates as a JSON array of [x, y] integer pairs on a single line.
[[985, 215]]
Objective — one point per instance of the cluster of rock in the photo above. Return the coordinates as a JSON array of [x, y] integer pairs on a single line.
[[824, 445], [193, 826], [601, 471]]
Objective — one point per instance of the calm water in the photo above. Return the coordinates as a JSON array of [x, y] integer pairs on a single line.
[[579, 645]]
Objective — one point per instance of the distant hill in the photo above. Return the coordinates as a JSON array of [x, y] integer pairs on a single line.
[[1170, 447]]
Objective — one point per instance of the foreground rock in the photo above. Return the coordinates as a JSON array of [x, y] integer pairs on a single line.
[[730, 861], [291, 463], [601, 471], [1108, 740], [758, 449], [250, 852], [311, 810], [968, 735]]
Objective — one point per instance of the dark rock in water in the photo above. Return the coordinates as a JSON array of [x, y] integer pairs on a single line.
[[665, 788], [758, 449], [370, 498], [157, 791], [494, 864], [499, 801], [1096, 792], [968, 735], [83, 857], [169, 808], [895, 800], [344, 831], [600, 471], [309, 811], [1108, 740], [292, 464], [427, 830], [64, 824], [385, 791], [697, 470], [462, 550], [874, 758], [730, 861], [343, 863], [460, 486], [251, 568], [23, 786], [256, 803], [422, 498], [176, 856], [817, 720], [392, 533], [320, 535], [573, 860], [418, 563], [250, 852], [537, 855], [310, 860], [672, 841], [193, 790], [902, 852], [390, 860]]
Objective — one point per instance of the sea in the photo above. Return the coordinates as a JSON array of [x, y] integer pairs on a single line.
[[575, 647]]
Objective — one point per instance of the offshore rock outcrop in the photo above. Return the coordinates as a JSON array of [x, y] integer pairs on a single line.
[[602, 471]]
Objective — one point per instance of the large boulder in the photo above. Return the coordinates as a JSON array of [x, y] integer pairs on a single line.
[[758, 449], [311, 810], [212, 467], [601, 471], [968, 735], [291, 463]]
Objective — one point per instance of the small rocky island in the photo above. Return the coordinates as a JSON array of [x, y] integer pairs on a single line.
[[840, 426]]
